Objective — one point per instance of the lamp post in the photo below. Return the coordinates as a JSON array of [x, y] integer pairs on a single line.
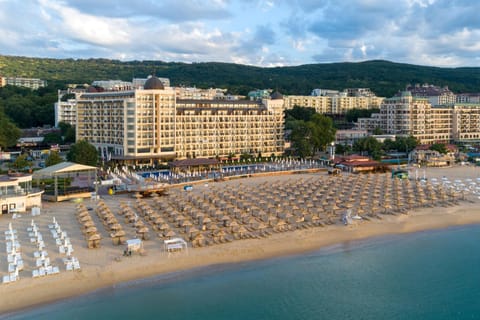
[[332, 150]]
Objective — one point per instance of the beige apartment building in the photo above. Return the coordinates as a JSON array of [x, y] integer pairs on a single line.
[[146, 125], [408, 115]]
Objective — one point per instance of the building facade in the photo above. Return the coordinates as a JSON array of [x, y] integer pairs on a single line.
[[139, 126], [405, 115], [437, 96], [17, 193], [30, 83], [334, 102]]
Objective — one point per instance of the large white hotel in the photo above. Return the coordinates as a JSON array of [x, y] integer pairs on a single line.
[[150, 124]]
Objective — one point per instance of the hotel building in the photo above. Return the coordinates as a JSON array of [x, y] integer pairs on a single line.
[[147, 125], [334, 102], [405, 114]]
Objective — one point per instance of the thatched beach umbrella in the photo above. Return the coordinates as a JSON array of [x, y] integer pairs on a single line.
[[94, 241], [169, 234]]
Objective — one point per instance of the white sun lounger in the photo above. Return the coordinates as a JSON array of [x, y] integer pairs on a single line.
[[55, 270]]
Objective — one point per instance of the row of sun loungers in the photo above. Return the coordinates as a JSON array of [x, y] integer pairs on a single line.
[[14, 255], [42, 260], [64, 246]]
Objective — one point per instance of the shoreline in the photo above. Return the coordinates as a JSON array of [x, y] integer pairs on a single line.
[[100, 270], [18, 301]]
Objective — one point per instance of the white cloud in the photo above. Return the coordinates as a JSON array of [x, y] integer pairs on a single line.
[[260, 32]]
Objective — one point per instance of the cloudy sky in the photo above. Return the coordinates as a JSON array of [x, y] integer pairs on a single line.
[[255, 32]]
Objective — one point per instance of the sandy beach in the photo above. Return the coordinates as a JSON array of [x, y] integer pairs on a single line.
[[106, 266]]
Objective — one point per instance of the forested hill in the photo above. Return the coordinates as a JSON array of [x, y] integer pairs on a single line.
[[383, 77]]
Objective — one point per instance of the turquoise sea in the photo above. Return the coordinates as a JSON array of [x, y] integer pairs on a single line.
[[425, 275]]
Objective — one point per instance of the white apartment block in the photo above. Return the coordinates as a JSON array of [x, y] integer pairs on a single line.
[[336, 104], [146, 125], [66, 106], [66, 111], [200, 94], [30, 83]]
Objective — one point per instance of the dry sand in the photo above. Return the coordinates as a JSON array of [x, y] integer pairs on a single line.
[[106, 266]]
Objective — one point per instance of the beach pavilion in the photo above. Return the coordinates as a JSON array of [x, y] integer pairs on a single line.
[[82, 189], [175, 244]]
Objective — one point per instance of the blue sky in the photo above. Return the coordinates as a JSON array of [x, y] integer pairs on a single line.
[[257, 32]]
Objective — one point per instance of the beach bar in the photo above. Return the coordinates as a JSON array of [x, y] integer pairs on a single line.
[[17, 194]]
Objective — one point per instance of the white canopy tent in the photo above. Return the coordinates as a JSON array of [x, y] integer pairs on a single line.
[[175, 244], [65, 169]]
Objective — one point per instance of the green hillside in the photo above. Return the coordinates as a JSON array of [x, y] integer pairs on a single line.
[[383, 77]]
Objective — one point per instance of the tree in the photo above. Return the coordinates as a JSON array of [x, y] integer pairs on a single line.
[[406, 144], [9, 133], [84, 153], [323, 130], [302, 138], [352, 115], [440, 147], [389, 145], [300, 113], [52, 138], [370, 145], [343, 148], [68, 132], [53, 158], [377, 131], [21, 163]]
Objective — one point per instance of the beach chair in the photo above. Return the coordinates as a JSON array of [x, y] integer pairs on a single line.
[[76, 265], [41, 271], [61, 249], [35, 273], [55, 270], [69, 266], [6, 279], [48, 270], [20, 264]]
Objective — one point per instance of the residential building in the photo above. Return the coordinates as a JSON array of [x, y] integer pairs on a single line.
[[348, 137], [30, 83], [467, 98], [66, 106], [259, 94], [200, 94], [147, 125], [437, 96], [334, 102], [405, 114], [324, 92]]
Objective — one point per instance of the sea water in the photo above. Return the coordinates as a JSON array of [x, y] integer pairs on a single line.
[[425, 275]]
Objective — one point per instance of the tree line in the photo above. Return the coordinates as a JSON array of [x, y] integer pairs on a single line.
[[383, 77]]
